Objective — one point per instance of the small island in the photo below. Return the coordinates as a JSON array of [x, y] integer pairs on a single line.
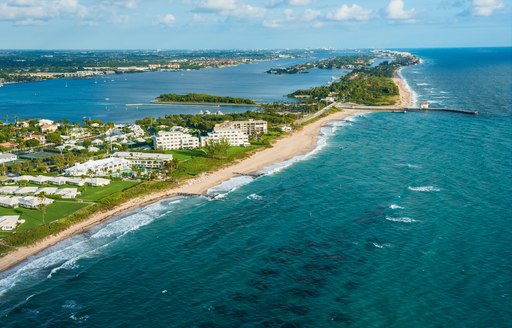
[[339, 62], [200, 98]]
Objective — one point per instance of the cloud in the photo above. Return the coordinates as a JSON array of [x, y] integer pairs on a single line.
[[235, 8], [350, 13], [273, 23], [167, 19], [486, 7], [32, 12], [395, 10], [299, 2]]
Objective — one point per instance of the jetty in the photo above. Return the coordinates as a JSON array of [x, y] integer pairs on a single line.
[[400, 109]]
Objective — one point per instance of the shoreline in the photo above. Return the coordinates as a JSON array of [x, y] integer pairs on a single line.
[[298, 143], [406, 94]]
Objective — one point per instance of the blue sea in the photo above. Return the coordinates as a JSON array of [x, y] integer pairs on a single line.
[[395, 220]]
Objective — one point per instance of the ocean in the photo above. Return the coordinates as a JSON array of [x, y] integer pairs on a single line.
[[395, 220]]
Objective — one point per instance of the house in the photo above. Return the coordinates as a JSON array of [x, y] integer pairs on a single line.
[[44, 122], [58, 181], [47, 128], [7, 157], [147, 160], [249, 127], [286, 128], [34, 202], [9, 222], [40, 179], [97, 182], [8, 144], [26, 190], [99, 167], [8, 190], [12, 202], [38, 137], [168, 140], [23, 124], [46, 191], [76, 181], [67, 193]]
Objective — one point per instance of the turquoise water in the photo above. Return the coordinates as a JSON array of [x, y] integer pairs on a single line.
[[394, 221]]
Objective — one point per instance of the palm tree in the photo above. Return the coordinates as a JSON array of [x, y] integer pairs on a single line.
[[42, 206]]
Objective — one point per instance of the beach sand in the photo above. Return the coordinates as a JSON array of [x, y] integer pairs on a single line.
[[406, 99], [299, 142]]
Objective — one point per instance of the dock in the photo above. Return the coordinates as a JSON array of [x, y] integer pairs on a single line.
[[452, 110]]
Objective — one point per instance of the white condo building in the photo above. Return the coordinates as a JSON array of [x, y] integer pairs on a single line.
[[169, 140], [248, 127], [100, 167], [234, 137], [148, 160]]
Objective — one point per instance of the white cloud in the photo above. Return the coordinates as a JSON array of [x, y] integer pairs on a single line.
[[273, 23], [486, 7], [236, 8], [395, 10], [31, 12], [350, 13], [299, 2], [167, 19], [311, 15]]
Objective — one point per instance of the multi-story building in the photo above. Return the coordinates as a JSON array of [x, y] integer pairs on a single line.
[[45, 128], [147, 160], [7, 157], [100, 167], [234, 137], [250, 127], [168, 140]]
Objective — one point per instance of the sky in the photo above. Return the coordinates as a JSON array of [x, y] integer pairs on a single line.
[[253, 24]]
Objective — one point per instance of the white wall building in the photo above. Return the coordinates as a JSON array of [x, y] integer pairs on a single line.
[[9, 222], [248, 127], [7, 157], [168, 140], [100, 167], [148, 160], [234, 137]]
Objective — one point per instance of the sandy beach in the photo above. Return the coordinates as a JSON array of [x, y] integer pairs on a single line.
[[406, 99], [297, 143]]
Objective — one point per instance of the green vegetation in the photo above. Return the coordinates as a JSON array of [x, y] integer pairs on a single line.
[[203, 99], [340, 62], [368, 86]]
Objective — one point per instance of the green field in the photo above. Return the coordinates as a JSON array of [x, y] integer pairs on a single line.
[[34, 218], [94, 194], [62, 208]]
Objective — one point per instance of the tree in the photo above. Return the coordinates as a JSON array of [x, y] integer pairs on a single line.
[[42, 206], [217, 149], [54, 138], [32, 143]]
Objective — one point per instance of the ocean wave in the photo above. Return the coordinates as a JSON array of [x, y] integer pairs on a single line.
[[408, 88], [255, 197], [66, 254], [377, 245], [422, 84], [400, 219], [220, 191], [424, 188], [411, 166], [396, 207]]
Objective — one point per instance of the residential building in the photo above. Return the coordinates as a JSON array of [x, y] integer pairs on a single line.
[[6, 201], [7, 157], [100, 167], [97, 182], [9, 222], [147, 160], [168, 140], [8, 144], [46, 128], [44, 122], [250, 127], [34, 202], [234, 137], [38, 137]]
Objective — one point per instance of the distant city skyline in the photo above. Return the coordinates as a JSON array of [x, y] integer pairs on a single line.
[[253, 24]]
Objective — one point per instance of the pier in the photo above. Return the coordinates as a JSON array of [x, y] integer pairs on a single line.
[[400, 109], [452, 110]]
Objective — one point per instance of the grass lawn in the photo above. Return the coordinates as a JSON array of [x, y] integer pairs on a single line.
[[185, 154], [94, 194], [34, 218]]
